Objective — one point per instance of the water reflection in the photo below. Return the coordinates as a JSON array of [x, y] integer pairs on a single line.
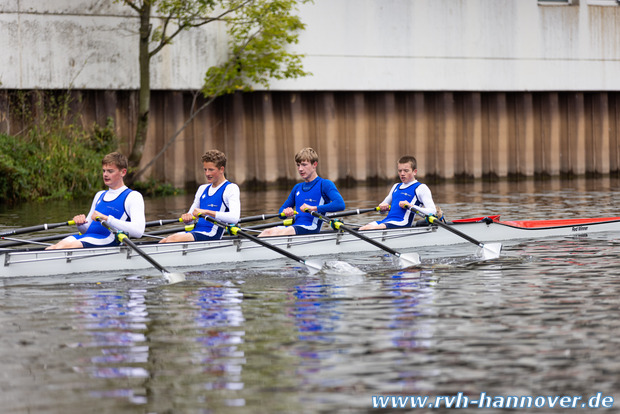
[[542, 320], [116, 322], [217, 310], [412, 294]]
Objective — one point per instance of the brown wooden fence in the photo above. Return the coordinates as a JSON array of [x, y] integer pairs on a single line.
[[360, 135]]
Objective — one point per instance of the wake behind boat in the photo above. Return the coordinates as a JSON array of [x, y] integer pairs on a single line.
[[232, 249]]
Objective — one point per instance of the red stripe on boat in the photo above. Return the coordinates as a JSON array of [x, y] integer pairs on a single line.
[[476, 219], [534, 224]]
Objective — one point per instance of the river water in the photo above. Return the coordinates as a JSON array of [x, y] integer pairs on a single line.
[[541, 321]]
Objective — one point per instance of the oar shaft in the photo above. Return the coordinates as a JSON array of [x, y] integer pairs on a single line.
[[257, 240], [434, 220], [162, 222], [352, 212], [31, 241], [36, 228], [287, 222], [20, 240], [339, 226], [123, 238], [261, 217]]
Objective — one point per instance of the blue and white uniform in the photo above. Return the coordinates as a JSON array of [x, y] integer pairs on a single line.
[[224, 200], [319, 192], [125, 211], [414, 193]]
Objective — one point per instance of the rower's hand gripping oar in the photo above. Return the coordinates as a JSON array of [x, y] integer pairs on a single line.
[[39, 227], [123, 238], [488, 250], [313, 266], [405, 260]]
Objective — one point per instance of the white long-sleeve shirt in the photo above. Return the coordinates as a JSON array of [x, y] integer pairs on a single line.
[[423, 194], [231, 197], [134, 204]]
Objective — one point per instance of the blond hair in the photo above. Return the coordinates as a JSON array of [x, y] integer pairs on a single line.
[[307, 154]]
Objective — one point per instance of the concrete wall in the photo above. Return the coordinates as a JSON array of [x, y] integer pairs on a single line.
[[93, 44], [355, 45]]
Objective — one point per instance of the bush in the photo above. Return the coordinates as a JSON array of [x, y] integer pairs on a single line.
[[55, 158]]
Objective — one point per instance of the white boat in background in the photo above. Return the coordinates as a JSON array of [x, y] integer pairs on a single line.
[[232, 249]]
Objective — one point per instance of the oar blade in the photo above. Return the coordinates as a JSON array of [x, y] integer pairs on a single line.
[[490, 251], [409, 259], [172, 278], [314, 266]]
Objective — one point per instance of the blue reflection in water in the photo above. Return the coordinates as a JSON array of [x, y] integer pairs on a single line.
[[411, 292], [116, 322], [217, 310], [315, 313]]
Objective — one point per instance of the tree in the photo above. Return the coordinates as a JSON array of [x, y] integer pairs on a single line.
[[259, 30]]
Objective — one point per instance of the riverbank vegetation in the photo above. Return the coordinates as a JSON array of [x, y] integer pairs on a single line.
[[53, 155]]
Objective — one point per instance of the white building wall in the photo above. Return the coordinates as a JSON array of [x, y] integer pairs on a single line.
[[426, 45]]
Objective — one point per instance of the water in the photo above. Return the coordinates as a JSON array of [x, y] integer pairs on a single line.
[[540, 321]]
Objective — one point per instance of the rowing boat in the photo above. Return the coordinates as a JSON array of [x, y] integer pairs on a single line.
[[232, 249]]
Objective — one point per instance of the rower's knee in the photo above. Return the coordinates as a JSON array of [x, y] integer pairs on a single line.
[[178, 237], [65, 245]]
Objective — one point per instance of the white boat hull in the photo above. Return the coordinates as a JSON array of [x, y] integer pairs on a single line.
[[233, 250]]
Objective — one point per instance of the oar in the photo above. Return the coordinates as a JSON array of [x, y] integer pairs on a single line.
[[22, 241], [405, 260], [123, 238], [289, 221], [489, 250], [19, 242], [162, 222], [36, 228], [313, 266], [156, 233], [352, 212], [261, 217]]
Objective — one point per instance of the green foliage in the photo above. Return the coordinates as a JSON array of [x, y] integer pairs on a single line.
[[261, 32], [55, 158], [151, 187]]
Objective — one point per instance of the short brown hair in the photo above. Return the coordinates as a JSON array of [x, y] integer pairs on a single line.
[[409, 159], [117, 159], [307, 154], [216, 157]]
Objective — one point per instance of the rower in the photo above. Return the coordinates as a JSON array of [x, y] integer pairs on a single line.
[[219, 198], [313, 194], [120, 207], [408, 191]]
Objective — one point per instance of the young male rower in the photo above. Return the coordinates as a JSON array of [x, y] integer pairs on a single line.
[[314, 193], [408, 191], [219, 198], [120, 207]]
